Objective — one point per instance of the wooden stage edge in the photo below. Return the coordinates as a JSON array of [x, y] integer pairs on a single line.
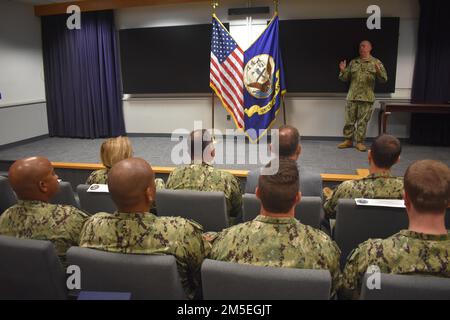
[[360, 173]]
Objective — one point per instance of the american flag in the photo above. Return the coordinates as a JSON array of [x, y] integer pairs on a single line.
[[226, 72]]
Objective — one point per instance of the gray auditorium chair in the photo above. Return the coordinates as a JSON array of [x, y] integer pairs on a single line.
[[65, 195], [233, 281], [146, 277], [356, 224], [309, 211], [207, 208], [407, 287], [7, 195], [93, 202], [30, 269]]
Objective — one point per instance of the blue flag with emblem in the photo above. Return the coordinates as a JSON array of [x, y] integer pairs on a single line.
[[263, 81]]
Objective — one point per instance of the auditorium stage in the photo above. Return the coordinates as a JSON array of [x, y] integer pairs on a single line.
[[318, 155]]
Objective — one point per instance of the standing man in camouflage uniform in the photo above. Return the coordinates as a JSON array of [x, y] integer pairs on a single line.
[[362, 73], [275, 238], [35, 182], [202, 176], [379, 184], [422, 249], [132, 229]]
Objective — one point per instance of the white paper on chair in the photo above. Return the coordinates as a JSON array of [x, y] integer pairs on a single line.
[[98, 188], [392, 203]]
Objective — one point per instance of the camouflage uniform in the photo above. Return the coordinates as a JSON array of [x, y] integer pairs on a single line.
[[101, 177], [374, 186], [203, 177], [39, 220], [98, 177], [278, 242], [362, 75], [406, 252], [144, 233]]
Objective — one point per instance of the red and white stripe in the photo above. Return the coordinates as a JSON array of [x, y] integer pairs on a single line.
[[227, 78]]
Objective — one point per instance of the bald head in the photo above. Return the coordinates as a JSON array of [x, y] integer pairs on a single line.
[[33, 179], [289, 142], [131, 183]]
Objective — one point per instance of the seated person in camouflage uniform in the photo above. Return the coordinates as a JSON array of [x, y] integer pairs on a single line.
[[379, 184], [275, 238], [35, 182], [422, 249], [290, 148], [202, 176], [112, 151], [132, 229]]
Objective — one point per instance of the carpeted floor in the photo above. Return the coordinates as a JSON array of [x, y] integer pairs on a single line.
[[317, 155]]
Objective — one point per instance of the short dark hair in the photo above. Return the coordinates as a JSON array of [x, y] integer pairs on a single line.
[[277, 192], [199, 136], [289, 139], [385, 151], [427, 183]]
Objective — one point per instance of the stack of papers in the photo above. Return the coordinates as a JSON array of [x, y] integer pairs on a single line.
[[98, 188], [392, 203]]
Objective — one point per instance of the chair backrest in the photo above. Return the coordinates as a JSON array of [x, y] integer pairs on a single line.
[[7, 195], [93, 202], [356, 224], [151, 277], [232, 281], [309, 211], [207, 208], [30, 269], [65, 195], [407, 287]]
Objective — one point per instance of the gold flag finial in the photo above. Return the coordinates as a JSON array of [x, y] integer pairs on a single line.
[[214, 5], [275, 3]]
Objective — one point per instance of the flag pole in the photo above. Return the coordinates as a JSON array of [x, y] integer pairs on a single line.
[[214, 5], [212, 110], [275, 3]]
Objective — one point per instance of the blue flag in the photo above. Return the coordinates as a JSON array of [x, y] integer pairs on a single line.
[[263, 81]]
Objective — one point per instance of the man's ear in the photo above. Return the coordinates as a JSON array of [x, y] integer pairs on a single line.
[[213, 153], [299, 150], [406, 199], [398, 159], [42, 186], [298, 197], [257, 193], [150, 193]]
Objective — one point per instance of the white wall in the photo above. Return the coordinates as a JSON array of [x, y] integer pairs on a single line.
[[24, 122], [22, 108], [21, 67], [314, 116]]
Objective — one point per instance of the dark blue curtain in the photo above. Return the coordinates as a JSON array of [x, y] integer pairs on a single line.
[[82, 76], [432, 73]]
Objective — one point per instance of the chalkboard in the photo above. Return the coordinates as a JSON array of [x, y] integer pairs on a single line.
[[166, 59], [176, 59], [312, 49]]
